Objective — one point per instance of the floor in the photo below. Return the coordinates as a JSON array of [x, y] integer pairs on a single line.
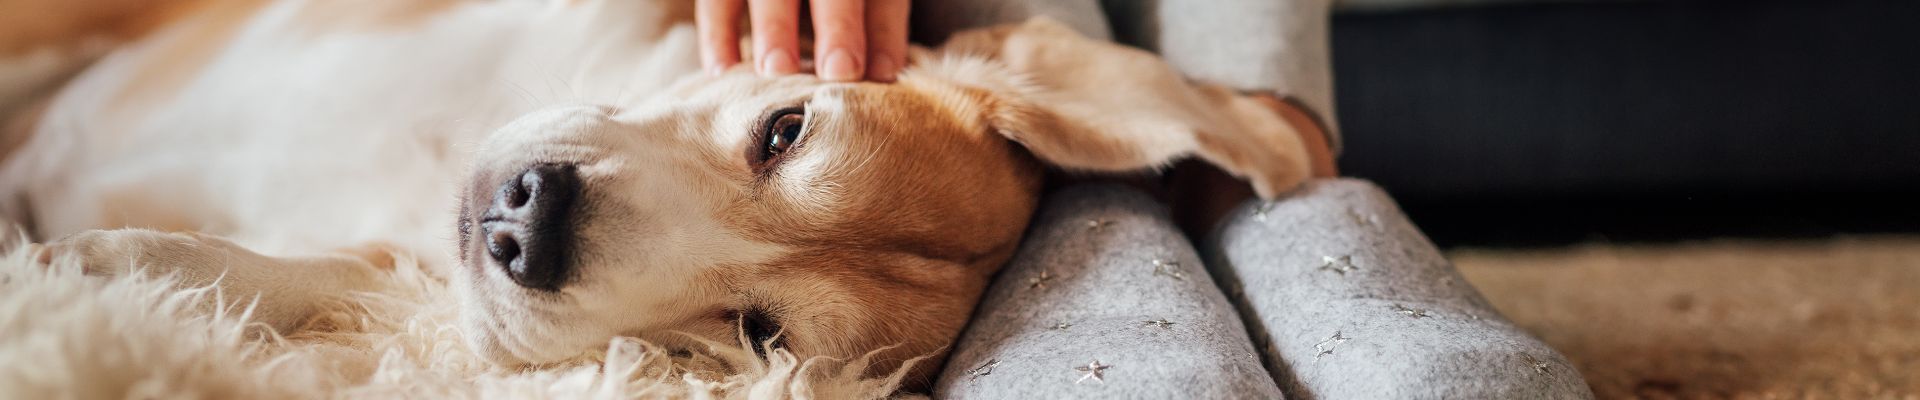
[[1803, 318]]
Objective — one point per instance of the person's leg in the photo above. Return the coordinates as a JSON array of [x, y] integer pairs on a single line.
[[1103, 276], [1348, 299]]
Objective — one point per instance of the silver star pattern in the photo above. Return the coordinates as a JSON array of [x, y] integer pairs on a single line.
[[1340, 265], [1403, 310], [1539, 366], [1061, 326], [1365, 219], [1094, 370], [982, 370], [1260, 211], [1098, 224], [1170, 269], [1039, 281], [1163, 323], [1325, 347]]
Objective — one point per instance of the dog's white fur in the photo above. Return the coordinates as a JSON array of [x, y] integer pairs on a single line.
[[292, 138]]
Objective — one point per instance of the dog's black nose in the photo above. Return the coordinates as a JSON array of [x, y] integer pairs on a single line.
[[529, 228]]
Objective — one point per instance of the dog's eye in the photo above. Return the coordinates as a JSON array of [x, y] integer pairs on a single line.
[[760, 328], [781, 132]]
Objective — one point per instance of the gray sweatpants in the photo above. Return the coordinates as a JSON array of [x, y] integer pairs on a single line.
[[1330, 293]]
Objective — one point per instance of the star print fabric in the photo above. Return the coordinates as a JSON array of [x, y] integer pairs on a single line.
[[1351, 301], [1344, 294], [1112, 320]]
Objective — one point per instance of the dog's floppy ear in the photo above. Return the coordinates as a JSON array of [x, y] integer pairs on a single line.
[[1084, 104]]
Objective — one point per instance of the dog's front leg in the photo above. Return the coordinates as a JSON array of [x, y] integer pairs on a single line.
[[289, 290]]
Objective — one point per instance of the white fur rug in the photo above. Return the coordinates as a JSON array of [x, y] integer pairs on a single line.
[[65, 335]]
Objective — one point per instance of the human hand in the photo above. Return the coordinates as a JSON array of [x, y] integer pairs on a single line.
[[853, 39]]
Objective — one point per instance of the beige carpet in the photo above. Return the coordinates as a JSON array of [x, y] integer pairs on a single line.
[[1835, 318]]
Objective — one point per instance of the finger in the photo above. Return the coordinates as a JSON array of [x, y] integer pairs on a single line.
[[776, 35], [840, 39], [886, 39], [719, 26]]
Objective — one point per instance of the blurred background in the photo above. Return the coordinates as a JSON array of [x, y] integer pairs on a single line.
[[1692, 198]]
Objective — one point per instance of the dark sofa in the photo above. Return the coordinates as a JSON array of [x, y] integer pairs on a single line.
[[1563, 121]]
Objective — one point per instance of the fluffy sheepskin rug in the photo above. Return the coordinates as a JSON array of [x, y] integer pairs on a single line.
[[66, 335]]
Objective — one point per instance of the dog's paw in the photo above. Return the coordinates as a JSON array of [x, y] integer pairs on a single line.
[[194, 257], [279, 292]]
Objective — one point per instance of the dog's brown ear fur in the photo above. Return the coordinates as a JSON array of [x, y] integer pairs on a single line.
[[1084, 104]]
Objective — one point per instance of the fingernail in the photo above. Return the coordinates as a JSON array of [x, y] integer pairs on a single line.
[[881, 69], [840, 66], [778, 62], [715, 70]]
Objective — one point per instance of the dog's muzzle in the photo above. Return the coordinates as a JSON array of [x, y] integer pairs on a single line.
[[529, 227]]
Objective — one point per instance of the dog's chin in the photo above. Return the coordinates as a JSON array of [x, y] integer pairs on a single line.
[[490, 349], [511, 343], [509, 350]]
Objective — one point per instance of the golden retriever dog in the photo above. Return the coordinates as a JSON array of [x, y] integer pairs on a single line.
[[568, 168]]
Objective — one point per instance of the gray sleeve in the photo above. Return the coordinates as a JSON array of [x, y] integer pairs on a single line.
[[1347, 299], [1263, 45], [1104, 276]]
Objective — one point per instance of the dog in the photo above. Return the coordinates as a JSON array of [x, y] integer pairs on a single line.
[[570, 171]]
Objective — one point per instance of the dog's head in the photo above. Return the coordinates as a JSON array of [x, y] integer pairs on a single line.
[[831, 219]]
